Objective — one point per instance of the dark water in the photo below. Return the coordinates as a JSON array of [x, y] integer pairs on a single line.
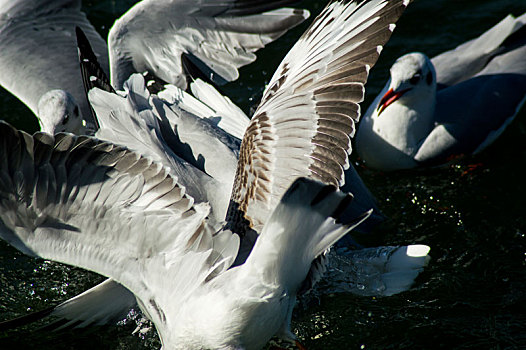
[[471, 213]]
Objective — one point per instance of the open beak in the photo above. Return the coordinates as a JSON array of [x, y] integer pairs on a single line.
[[389, 97]]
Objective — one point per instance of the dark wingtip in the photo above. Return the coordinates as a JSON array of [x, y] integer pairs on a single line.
[[90, 67], [357, 220], [325, 191], [296, 184], [81, 37], [344, 203], [26, 319], [195, 68]]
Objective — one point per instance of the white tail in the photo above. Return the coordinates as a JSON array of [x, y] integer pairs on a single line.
[[302, 227]]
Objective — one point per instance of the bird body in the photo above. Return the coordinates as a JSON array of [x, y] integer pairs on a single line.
[[433, 110], [392, 141], [38, 55]]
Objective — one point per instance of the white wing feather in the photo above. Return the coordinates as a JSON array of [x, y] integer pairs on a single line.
[[308, 111], [171, 136], [217, 36], [95, 205]]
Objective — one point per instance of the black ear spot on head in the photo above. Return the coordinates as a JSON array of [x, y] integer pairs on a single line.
[[76, 110], [429, 78], [415, 79]]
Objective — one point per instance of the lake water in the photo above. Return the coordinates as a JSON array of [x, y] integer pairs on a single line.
[[471, 213]]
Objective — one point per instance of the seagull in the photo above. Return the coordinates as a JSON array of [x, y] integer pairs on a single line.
[[207, 284], [148, 123], [185, 120], [125, 119], [458, 103], [38, 49], [39, 62]]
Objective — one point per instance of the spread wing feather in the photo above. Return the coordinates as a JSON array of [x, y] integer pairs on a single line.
[[99, 206], [216, 37], [308, 111]]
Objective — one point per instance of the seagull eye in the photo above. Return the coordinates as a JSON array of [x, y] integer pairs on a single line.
[[415, 79], [429, 78], [66, 119]]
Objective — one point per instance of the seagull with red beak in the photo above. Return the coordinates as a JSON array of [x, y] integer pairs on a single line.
[[401, 117], [458, 103]]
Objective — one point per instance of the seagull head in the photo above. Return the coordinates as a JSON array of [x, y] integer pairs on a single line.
[[412, 76], [58, 112]]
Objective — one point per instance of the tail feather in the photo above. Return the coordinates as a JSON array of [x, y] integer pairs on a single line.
[[301, 228]]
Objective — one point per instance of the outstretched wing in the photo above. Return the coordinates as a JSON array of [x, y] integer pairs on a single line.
[[308, 111], [171, 136], [216, 37], [99, 206]]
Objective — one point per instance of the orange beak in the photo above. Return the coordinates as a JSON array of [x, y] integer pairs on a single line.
[[389, 97]]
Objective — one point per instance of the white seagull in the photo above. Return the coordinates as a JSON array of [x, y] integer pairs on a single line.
[[147, 123], [38, 49], [457, 103], [39, 61], [90, 203], [171, 127]]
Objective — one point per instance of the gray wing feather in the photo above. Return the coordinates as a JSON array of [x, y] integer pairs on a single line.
[[173, 137], [222, 38], [466, 125], [471, 57], [488, 75], [95, 205]]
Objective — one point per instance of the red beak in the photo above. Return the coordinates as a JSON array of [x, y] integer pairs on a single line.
[[389, 97]]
